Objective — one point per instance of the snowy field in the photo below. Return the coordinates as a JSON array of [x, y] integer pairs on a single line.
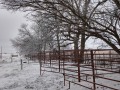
[[13, 78]]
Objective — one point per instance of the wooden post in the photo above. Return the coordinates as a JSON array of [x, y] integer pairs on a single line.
[[1, 53], [59, 60], [119, 68], [104, 62], [110, 56], [93, 71], [69, 84], [21, 62], [44, 56], [28, 60], [78, 60], [40, 63], [11, 59], [50, 58], [64, 66]]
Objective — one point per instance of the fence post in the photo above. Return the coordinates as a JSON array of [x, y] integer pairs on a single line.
[[78, 65], [110, 56], [40, 63], [50, 57], [59, 60], [69, 84], [28, 60], [44, 56], [21, 64], [64, 66], [1, 53], [93, 71], [11, 59]]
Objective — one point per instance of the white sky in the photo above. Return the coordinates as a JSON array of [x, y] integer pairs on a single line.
[[10, 22]]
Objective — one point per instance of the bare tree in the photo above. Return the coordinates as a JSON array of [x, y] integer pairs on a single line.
[[100, 21]]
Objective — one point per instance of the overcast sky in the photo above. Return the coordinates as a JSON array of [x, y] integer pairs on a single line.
[[10, 22]]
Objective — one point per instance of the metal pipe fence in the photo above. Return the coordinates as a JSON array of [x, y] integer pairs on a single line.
[[99, 66]]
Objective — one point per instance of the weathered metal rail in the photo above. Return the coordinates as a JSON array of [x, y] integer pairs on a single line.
[[98, 65]]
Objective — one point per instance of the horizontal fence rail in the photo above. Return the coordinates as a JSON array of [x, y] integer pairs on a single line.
[[99, 66]]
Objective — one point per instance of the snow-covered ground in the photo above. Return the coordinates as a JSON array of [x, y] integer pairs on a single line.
[[13, 78]]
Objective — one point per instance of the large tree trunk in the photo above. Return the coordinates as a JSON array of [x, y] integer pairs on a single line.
[[82, 48], [83, 40], [76, 48], [58, 44]]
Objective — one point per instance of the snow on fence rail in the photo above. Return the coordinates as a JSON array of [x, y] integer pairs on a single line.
[[99, 71]]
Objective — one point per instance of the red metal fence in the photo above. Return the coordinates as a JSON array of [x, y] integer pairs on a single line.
[[99, 67]]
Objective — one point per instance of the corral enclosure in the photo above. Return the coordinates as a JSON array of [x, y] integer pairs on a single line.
[[99, 71]]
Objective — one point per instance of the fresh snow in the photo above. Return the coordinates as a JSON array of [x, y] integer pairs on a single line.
[[13, 78]]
